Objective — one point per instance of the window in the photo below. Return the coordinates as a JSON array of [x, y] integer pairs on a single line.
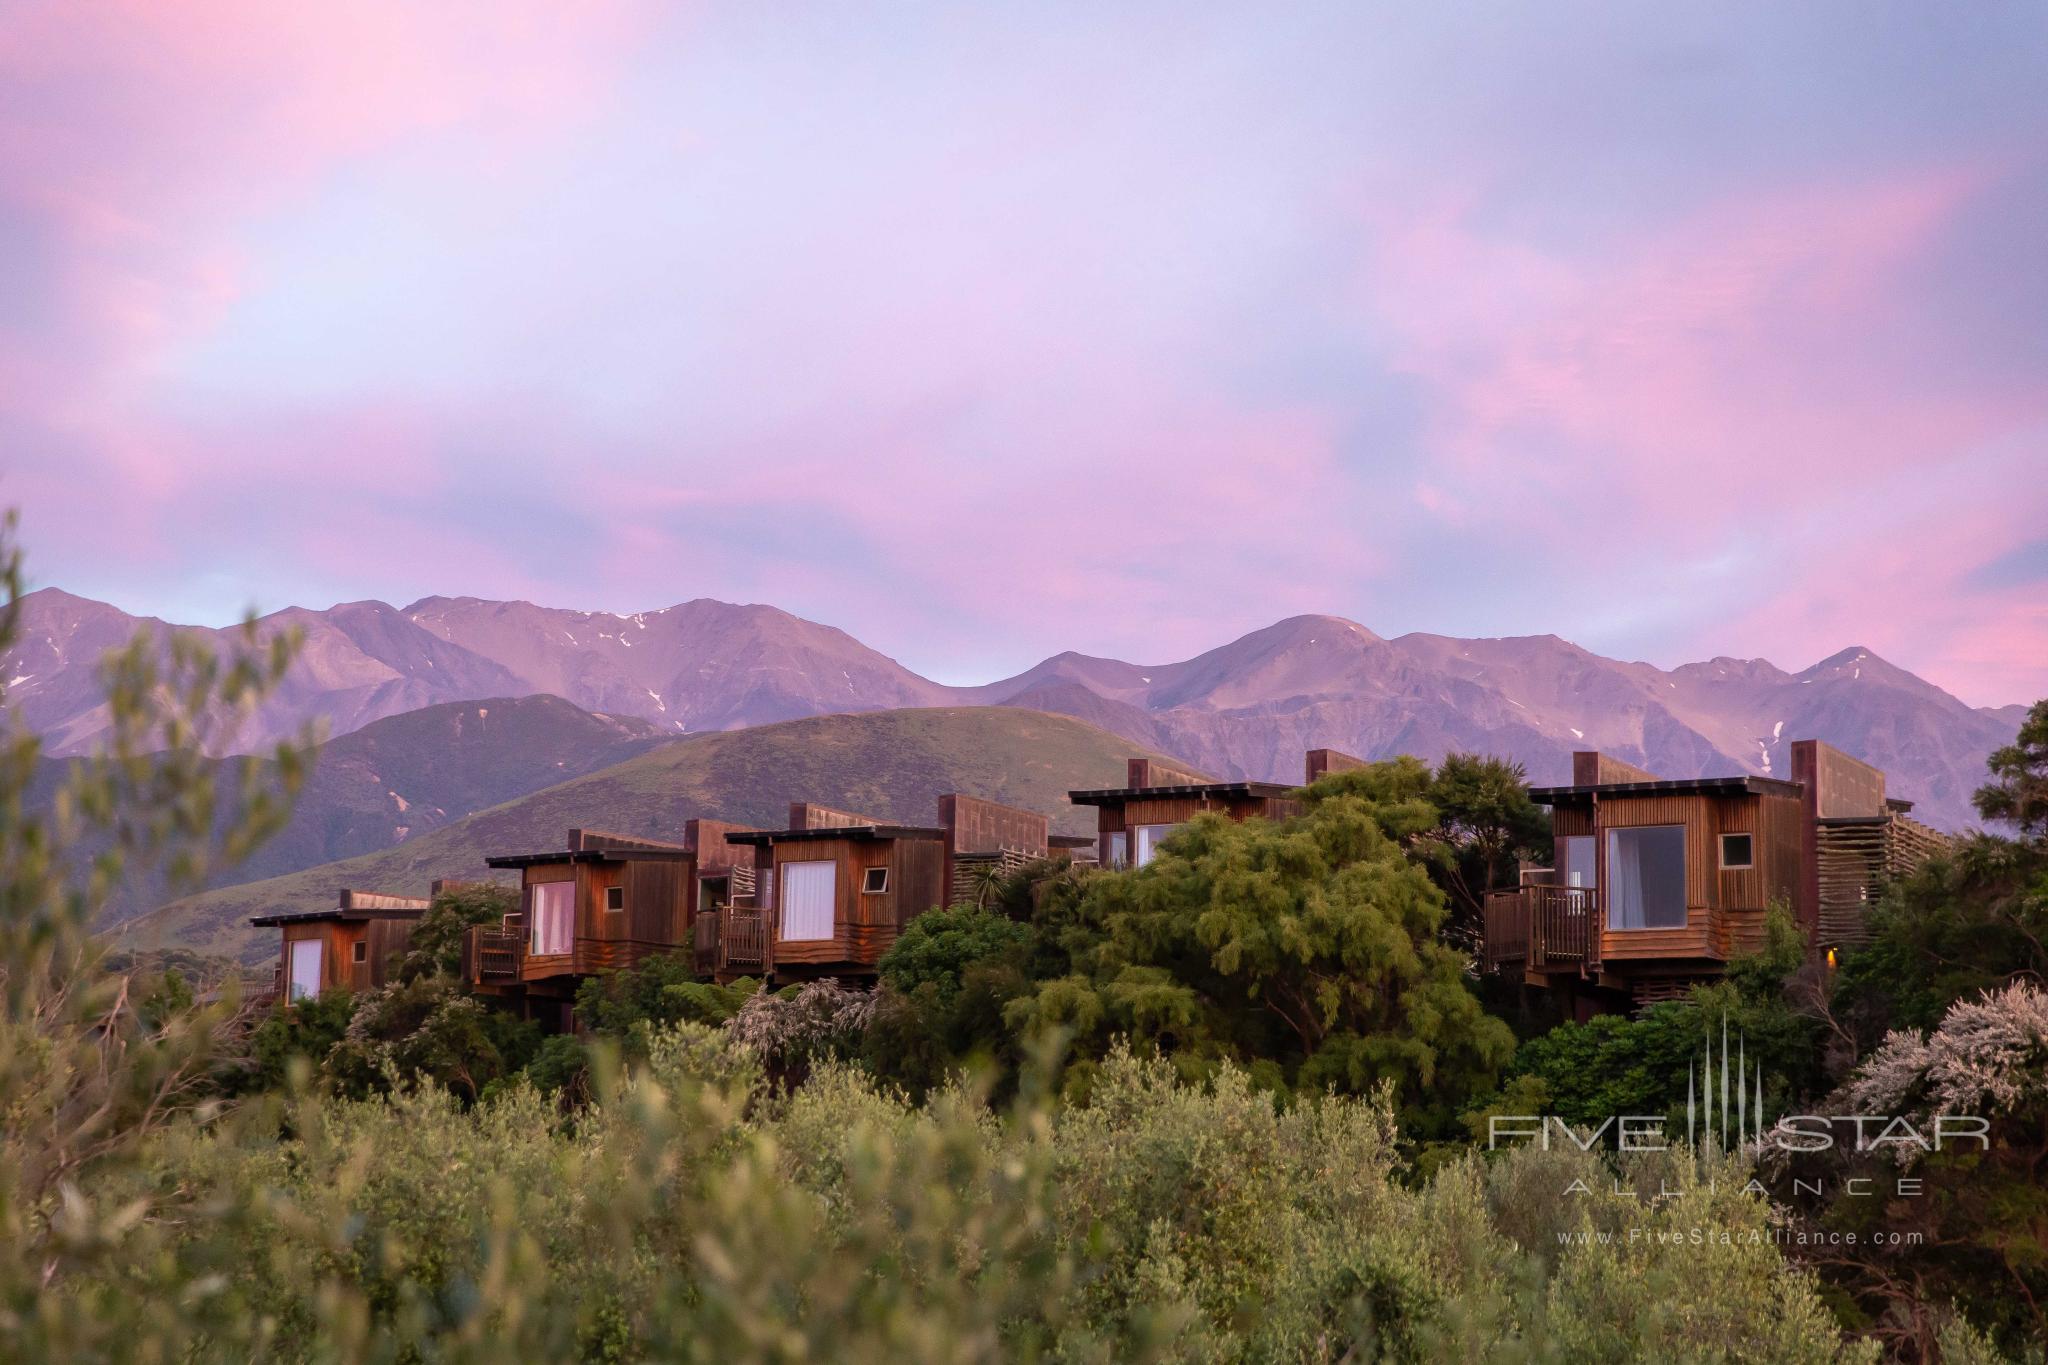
[[1581, 864], [305, 969], [1737, 851], [1119, 849], [808, 893], [1149, 837], [553, 918], [360, 951], [874, 881], [711, 893], [615, 898], [1646, 877]]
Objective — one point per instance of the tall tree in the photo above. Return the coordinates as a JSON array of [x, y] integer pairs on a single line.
[[1307, 949], [2018, 790]]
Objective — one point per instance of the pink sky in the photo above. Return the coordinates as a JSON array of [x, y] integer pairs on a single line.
[[991, 332]]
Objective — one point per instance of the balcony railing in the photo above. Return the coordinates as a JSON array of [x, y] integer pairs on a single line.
[[743, 937], [1542, 928], [493, 955]]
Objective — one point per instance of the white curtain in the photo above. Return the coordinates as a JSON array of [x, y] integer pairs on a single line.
[[809, 891], [1149, 837], [554, 918], [305, 969], [1118, 849]]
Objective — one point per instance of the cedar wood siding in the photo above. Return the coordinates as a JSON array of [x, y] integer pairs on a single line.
[[973, 825], [533, 965], [1724, 909], [864, 925], [386, 941], [383, 940], [1700, 938], [655, 918], [337, 972]]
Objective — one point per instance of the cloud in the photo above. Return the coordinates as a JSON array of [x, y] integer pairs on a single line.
[[989, 334]]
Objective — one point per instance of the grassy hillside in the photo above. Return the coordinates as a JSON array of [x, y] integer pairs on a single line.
[[406, 774], [890, 764]]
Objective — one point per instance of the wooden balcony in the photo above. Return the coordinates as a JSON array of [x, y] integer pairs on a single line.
[[1542, 929], [743, 939], [493, 956]]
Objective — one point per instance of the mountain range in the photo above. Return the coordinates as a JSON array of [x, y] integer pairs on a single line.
[[1244, 709]]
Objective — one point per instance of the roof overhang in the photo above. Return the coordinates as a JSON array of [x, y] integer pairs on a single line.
[[338, 916], [591, 855], [1693, 786], [862, 833], [1117, 796]]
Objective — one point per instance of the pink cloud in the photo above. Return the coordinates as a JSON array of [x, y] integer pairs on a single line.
[[1904, 589], [1752, 349]]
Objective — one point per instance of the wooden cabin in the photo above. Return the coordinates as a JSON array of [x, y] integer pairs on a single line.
[[1655, 885], [602, 902], [351, 947], [836, 887], [1158, 798]]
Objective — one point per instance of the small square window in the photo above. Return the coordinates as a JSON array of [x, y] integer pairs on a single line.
[[361, 951], [615, 898], [874, 881], [1737, 851]]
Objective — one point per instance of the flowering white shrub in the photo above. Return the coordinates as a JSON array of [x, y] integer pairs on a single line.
[[1989, 1057], [794, 1027]]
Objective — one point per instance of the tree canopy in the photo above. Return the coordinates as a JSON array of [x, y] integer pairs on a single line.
[[1306, 949]]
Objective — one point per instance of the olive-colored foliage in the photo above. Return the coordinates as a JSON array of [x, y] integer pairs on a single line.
[[436, 945], [944, 986], [1307, 950], [302, 1032], [694, 1213], [938, 947], [429, 1029], [1613, 1064], [658, 990]]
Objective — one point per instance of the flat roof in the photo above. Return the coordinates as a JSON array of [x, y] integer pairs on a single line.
[[759, 837], [1690, 786], [590, 855], [1114, 796], [334, 913]]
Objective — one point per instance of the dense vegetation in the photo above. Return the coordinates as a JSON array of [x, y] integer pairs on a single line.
[[1215, 1109]]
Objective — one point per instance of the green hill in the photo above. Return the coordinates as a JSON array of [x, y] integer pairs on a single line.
[[401, 776], [890, 764]]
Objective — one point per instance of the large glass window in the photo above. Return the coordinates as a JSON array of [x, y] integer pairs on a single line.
[[808, 893], [553, 918], [1149, 837], [305, 970], [1581, 866], [1646, 877]]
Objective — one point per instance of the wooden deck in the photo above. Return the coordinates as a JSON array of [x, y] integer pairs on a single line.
[[1543, 929]]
